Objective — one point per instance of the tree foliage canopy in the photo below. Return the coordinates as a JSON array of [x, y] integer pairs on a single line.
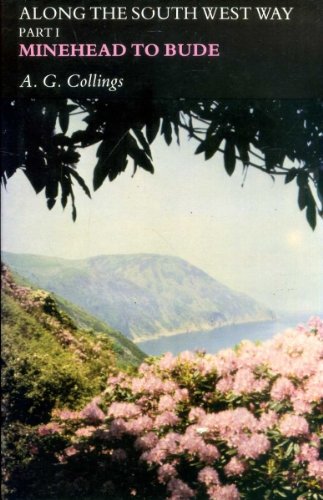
[[260, 134]]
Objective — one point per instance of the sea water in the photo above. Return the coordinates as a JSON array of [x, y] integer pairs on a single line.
[[220, 338]]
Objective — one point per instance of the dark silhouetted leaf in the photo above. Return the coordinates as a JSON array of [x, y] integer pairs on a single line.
[[80, 180], [302, 197], [64, 118], [143, 142], [213, 144], [243, 149], [50, 203], [71, 107], [273, 158], [166, 131], [200, 148], [229, 157], [66, 189], [70, 156], [112, 160], [36, 170], [152, 128], [61, 140], [311, 210], [291, 174], [141, 159], [51, 188]]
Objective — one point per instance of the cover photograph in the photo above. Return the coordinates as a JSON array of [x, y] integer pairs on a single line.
[[161, 250]]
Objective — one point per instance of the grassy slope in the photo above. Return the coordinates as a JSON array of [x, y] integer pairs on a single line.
[[50, 362], [127, 353]]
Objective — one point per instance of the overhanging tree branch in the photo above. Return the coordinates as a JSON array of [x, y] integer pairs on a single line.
[[36, 139]]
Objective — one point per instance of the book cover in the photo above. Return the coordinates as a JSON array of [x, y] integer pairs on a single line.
[[162, 186]]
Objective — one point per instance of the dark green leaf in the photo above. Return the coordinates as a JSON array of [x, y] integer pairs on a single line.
[[302, 197], [108, 167], [80, 180], [243, 149], [273, 158], [112, 159], [142, 159], [74, 213], [212, 145], [36, 171], [152, 128], [200, 148], [50, 203], [71, 107], [70, 156], [79, 136], [51, 188], [311, 210], [143, 142], [64, 118], [291, 174], [66, 187], [166, 131], [302, 179], [61, 140], [229, 157]]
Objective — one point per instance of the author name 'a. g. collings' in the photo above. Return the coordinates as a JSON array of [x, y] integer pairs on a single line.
[[76, 80]]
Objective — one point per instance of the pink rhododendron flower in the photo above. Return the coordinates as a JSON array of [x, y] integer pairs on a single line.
[[208, 476], [300, 402], [70, 451], [234, 467], [314, 386], [166, 472], [92, 413], [139, 425], [196, 414], [179, 490], [166, 418], [267, 420], [118, 428], [147, 441], [166, 402], [282, 388], [152, 385], [228, 492], [225, 384], [67, 414], [253, 446], [85, 431], [244, 381], [293, 425], [315, 468], [208, 453], [50, 428], [167, 362], [307, 453], [315, 323], [124, 410], [181, 395]]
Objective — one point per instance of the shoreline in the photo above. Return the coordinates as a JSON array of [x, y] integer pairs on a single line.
[[194, 329]]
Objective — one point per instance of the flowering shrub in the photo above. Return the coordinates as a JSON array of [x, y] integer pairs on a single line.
[[244, 423]]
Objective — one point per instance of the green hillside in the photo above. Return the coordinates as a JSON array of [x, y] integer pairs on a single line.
[[144, 296]]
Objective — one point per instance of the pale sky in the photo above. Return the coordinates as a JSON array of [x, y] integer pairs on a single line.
[[253, 239]]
